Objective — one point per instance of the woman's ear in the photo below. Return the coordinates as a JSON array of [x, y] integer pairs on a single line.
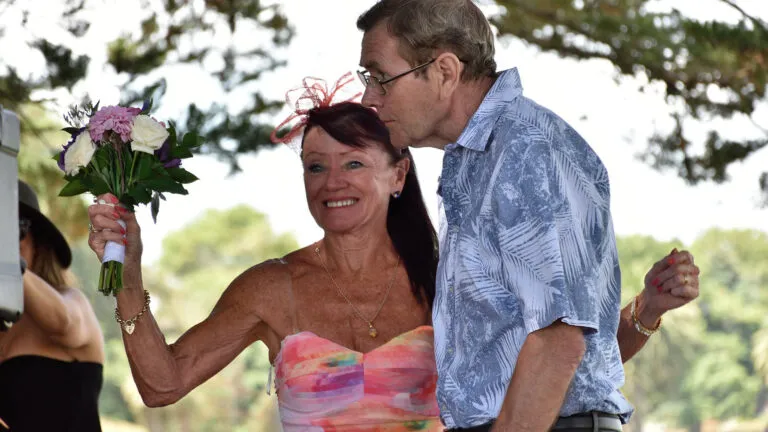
[[401, 171], [27, 249]]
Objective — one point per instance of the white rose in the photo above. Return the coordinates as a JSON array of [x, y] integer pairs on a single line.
[[147, 134], [79, 154]]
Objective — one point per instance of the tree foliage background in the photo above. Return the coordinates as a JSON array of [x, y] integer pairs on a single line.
[[709, 69], [715, 69], [236, 42], [709, 364]]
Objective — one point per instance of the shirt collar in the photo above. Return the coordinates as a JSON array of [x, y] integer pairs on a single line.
[[478, 130]]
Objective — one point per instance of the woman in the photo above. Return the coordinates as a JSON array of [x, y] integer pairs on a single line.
[[346, 320], [51, 359], [352, 309]]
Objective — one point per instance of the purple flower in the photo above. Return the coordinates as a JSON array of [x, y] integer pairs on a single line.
[[67, 146], [164, 154], [113, 118]]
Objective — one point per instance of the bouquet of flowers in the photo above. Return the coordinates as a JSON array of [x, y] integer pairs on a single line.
[[123, 151]]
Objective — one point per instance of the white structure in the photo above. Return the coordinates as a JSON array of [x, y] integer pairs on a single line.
[[11, 292]]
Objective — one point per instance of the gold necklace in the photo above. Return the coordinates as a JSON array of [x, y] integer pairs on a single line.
[[372, 332]]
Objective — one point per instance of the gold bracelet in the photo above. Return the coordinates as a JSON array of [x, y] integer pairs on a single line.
[[638, 325], [130, 324]]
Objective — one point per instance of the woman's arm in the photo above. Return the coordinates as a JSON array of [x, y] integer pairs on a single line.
[[165, 373], [59, 314], [671, 283]]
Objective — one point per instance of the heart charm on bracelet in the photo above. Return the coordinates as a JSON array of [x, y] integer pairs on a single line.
[[129, 327]]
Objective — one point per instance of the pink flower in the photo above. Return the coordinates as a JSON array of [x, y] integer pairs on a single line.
[[112, 118]]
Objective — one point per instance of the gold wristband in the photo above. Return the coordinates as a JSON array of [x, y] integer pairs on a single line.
[[638, 325], [130, 324]]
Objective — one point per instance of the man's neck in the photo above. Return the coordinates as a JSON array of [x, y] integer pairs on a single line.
[[465, 103]]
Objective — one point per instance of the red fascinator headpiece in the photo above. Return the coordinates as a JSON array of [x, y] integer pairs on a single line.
[[314, 93]]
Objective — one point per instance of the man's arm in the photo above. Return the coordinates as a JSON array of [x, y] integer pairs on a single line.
[[545, 367]]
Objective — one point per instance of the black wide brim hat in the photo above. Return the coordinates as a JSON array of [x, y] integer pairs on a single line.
[[44, 231]]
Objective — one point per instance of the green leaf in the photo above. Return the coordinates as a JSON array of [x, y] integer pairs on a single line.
[[165, 184], [140, 194], [144, 169], [192, 140], [75, 187], [155, 206], [181, 152], [159, 171], [181, 175], [128, 201], [102, 157], [172, 139], [96, 184]]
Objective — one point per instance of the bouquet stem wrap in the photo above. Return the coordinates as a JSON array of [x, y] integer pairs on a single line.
[[111, 275]]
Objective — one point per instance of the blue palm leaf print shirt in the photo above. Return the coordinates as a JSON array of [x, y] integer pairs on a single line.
[[526, 239]]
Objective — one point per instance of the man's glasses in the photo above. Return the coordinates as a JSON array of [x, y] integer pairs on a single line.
[[24, 227], [376, 84]]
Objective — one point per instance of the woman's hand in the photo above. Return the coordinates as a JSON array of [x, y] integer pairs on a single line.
[[671, 283], [104, 228]]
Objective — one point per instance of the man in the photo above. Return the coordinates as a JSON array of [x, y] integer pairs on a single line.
[[527, 305]]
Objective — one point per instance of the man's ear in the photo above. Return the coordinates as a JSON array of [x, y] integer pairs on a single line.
[[448, 68]]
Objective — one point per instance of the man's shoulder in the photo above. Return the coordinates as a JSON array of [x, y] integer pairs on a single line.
[[527, 127], [526, 116]]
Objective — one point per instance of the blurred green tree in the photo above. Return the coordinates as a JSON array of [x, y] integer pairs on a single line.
[[708, 363]]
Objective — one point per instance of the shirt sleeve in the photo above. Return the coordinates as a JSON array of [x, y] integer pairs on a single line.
[[555, 235]]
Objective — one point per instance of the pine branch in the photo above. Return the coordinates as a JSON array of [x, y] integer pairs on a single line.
[[757, 21]]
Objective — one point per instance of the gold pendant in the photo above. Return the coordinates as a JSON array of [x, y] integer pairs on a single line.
[[372, 331], [129, 327]]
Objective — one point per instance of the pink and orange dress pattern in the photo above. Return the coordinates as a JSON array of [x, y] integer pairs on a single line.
[[325, 387]]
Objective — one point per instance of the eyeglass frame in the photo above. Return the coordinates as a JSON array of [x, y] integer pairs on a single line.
[[366, 79], [25, 226]]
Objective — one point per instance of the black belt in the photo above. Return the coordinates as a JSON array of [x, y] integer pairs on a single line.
[[594, 421]]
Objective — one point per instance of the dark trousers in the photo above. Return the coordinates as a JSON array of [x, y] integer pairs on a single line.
[[588, 422]]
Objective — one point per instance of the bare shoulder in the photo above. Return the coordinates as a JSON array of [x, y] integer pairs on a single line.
[[301, 261], [262, 280], [77, 296], [265, 289]]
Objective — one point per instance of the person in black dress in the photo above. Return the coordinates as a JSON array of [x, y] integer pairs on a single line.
[[51, 359]]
